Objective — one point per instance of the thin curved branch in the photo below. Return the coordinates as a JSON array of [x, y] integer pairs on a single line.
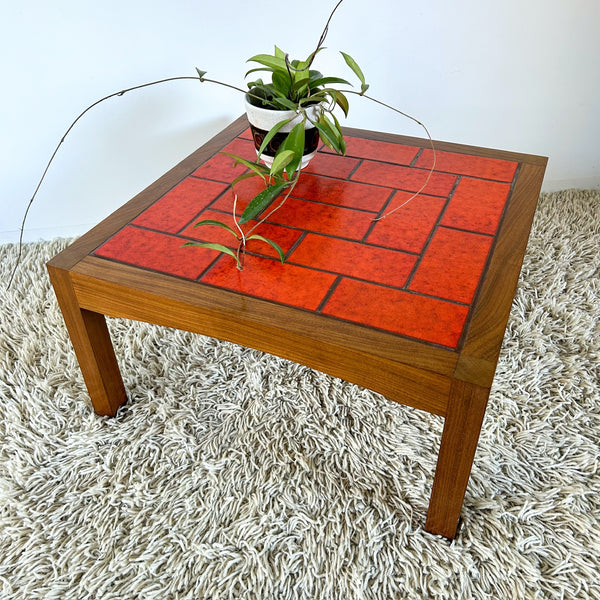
[[321, 42], [430, 142], [120, 93]]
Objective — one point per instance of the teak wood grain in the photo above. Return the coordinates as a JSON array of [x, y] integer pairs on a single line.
[[452, 383], [283, 331]]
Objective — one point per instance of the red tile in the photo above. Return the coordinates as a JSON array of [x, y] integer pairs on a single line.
[[310, 216], [269, 279], [246, 134], [476, 205], [331, 165], [179, 206], [404, 178], [341, 193], [286, 238], [452, 265], [463, 164], [409, 227], [419, 317], [156, 251], [323, 218], [356, 260], [221, 167], [384, 151]]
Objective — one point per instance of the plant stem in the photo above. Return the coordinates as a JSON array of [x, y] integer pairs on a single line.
[[240, 265], [233, 87], [324, 34], [120, 93], [321, 42], [291, 189], [430, 142]]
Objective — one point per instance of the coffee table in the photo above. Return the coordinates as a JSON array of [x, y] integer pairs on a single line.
[[413, 306]]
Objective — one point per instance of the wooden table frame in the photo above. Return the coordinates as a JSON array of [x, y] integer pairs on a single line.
[[454, 384]]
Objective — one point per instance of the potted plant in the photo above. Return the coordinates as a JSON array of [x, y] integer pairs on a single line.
[[289, 114]]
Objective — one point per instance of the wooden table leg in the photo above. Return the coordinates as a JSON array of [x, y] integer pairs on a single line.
[[464, 417], [93, 347]]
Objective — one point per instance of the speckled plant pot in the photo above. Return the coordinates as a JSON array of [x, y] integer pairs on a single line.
[[263, 119]]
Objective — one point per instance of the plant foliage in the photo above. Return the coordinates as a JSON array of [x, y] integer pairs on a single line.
[[286, 84]]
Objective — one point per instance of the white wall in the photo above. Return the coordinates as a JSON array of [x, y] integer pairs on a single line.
[[522, 75]]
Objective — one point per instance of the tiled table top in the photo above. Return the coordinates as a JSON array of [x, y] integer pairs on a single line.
[[414, 273]]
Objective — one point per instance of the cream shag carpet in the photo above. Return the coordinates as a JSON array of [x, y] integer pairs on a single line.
[[234, 474]]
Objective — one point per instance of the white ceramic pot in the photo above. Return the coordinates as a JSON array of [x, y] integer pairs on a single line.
[[263, 119]]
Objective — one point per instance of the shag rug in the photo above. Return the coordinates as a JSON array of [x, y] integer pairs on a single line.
[[235, 474]]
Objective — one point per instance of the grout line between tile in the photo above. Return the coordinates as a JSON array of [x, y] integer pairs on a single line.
[[328, 295], [381, 212], [197, 216], [431, 234]]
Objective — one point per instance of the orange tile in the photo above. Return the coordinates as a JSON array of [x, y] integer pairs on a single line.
[[331, 165], [323, 218], [463, 164], [452, 265], [221, 167], [156, 251], [269, 279], [179, 206], [382, 151], [477, 205], [409, 227], [404, 178], [341, 193], [354, 259], [404, 313]]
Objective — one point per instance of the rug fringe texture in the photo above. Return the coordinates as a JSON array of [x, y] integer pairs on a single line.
[[235, 474]]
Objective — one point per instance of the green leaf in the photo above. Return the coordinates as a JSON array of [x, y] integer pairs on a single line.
[[302, 92], [218, 223], [260, 94], [326, 93], [357, 71], [294, 142], [270, 135], [300, 86], [327, 81], [201, 74], [328, 135], [273, 62], [217, 247], [340, 134], [244, 176], [281, 160], [284, 103], [256, 70], [260, 202], [275, 245], [315, 98], [301, 78], [342, 102], [281, 82], [306, 63], [279, 53], [259, 169]]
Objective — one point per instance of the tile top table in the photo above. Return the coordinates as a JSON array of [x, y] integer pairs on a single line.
[[413, 305]]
